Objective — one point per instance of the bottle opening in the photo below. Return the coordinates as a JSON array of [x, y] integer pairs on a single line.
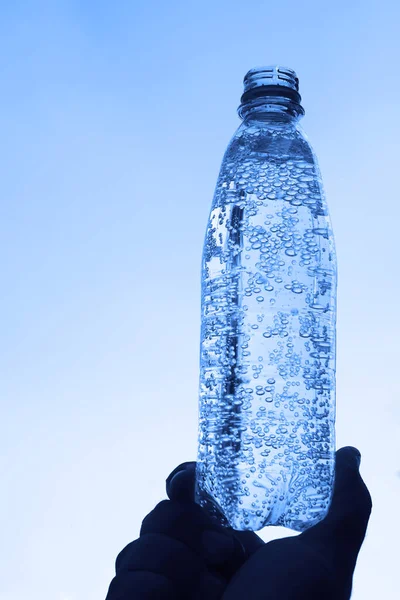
[[275, 88]]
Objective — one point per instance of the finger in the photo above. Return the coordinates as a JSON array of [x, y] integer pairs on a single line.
[[163, 557], [180, 483], [141, 585], [250, 541], [147, 585], [218, 545], [179, 468], [186, 522], [180, 486], [341, 534]]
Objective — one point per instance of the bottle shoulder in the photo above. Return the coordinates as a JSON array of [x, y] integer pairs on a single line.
[[265, 164], [264, 141]]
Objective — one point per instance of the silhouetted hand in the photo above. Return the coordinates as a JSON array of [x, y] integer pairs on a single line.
[[181, 554]]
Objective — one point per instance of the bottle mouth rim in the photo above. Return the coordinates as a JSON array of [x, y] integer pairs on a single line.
[[274, 75]]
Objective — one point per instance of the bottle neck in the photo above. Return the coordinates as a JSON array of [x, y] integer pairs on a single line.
[[274, 109]]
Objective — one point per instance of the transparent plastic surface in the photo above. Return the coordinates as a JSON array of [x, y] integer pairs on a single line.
[[267, 354]]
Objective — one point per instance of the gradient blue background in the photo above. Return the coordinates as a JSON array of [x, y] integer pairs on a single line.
[[114, 120]]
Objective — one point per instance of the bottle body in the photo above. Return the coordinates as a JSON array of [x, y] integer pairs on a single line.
[[268, 341]]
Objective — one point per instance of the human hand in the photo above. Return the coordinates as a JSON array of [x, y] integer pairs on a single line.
[[182, 554]]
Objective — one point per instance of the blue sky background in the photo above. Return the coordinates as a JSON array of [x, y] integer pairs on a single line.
[[114, 120]]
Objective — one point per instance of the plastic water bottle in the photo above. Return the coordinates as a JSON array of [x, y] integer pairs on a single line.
[[268, 341]]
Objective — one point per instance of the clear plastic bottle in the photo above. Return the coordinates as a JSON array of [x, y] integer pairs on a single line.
[[268, 342]]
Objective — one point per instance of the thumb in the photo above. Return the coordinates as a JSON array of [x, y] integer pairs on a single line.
[[340, 535]]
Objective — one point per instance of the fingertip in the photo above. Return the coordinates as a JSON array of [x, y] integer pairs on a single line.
[[349, 489], [180, 484], [189, 465], [348, 456]]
